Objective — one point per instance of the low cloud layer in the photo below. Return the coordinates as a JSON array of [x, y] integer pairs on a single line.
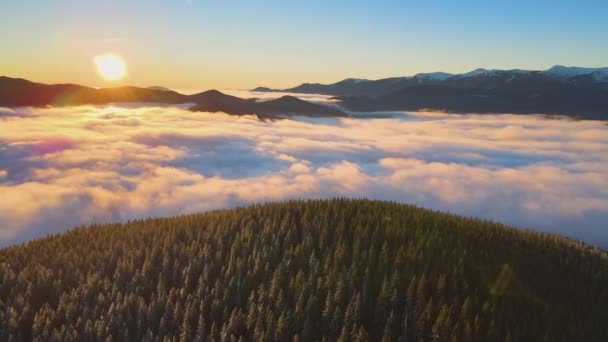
[[63, 167]]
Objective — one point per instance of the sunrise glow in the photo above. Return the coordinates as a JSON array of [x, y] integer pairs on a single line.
[[110, 67]]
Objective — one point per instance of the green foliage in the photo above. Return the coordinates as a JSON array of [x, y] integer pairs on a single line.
[[348, 270]]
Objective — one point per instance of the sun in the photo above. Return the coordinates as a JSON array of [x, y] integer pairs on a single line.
[[110, 67]]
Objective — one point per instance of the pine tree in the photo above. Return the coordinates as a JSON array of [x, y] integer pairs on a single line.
[[318, 270]]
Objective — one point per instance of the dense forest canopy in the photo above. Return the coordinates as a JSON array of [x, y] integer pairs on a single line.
[[348, 270]]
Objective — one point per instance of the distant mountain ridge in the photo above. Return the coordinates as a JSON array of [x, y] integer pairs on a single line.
[[15, 92], [159, 88], [215, 101], [355, 86], [573, 91], [359, 86]]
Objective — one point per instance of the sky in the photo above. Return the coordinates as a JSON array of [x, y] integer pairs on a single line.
[[202, 44], [68, 166]]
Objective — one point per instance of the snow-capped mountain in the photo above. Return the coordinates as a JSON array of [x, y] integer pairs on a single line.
[[361, 86], [492, 72], [557, 71], [354, 80], [576, 91], [600, 75], [481, 82], [437, 76], [431, 76], [476, 72], [567, 72]]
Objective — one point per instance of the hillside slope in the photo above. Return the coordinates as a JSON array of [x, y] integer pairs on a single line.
[[573, 91], [338, 269], [497, 93], [214, 101], [15, 92]]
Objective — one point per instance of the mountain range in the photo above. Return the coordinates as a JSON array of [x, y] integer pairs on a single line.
[[216, 101], [15, 92], [574, 91]]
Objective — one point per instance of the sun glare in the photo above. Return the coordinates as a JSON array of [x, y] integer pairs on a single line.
[[110, 67]]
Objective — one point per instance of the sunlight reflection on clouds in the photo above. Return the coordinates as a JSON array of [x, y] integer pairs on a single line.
[[61, 167]]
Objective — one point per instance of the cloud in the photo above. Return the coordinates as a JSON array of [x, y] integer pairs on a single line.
[[64, 167]]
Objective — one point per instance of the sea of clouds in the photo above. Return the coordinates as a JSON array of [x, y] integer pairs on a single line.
[[63, 167]]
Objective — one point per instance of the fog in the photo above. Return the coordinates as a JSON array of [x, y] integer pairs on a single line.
[[64, 167]]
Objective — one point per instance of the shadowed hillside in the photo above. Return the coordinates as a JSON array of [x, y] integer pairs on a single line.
[[348, 270], [214, 101], [19, 92], [577, 92]]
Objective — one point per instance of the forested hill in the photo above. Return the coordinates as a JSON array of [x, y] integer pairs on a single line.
[[348, 270]]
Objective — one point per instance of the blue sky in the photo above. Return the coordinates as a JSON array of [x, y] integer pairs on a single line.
[[241, 44]]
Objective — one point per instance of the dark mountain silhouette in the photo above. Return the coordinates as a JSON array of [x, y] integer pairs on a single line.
[[215, 101], [159, 88], [19, 92], [528, 93], [295, 106], [262, 89], [336, 270], [356, 87], [579, 92]]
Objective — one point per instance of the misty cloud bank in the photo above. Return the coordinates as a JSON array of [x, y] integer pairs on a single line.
[[63, 167]]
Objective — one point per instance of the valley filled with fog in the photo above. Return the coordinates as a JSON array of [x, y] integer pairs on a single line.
[[68, 166]]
